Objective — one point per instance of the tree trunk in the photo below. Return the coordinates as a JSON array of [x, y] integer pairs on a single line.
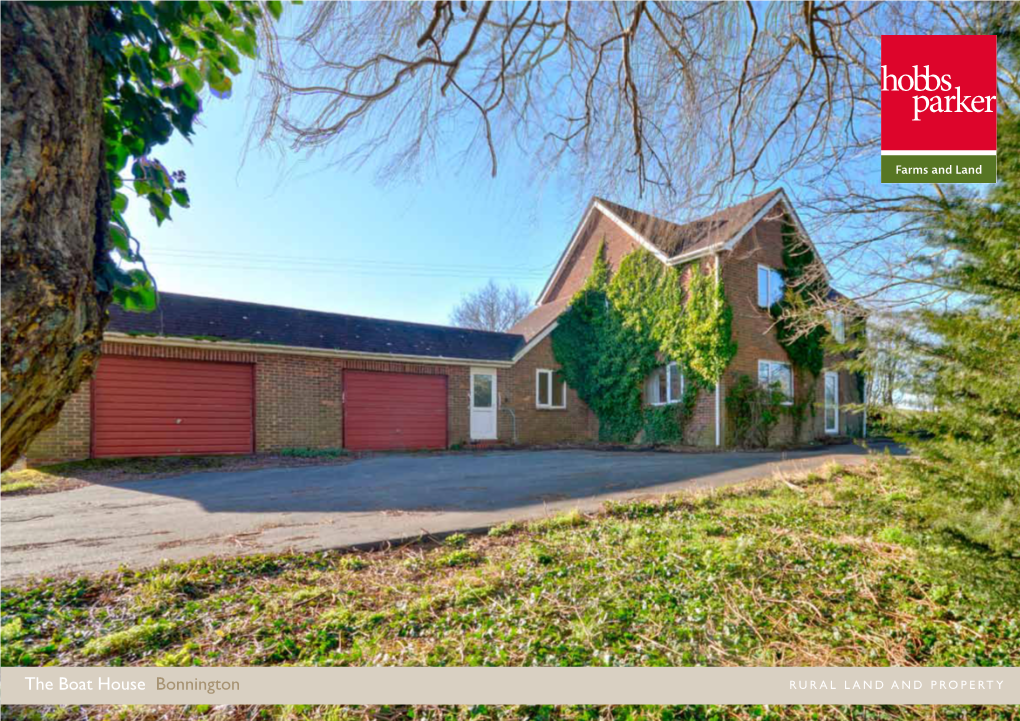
[[55, 209]]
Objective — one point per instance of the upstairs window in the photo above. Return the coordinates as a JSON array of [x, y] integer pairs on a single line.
[[664, 385], [838, 325], [548, 392], [776, 373], [770, 286]]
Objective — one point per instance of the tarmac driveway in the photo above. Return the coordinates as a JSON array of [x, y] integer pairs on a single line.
[[139, 523]]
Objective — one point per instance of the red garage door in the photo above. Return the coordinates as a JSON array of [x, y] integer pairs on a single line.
[[158, 407], [394, 411]]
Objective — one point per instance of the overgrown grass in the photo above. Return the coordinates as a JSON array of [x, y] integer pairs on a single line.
[[516, 713], [31, 480], [828, 569]]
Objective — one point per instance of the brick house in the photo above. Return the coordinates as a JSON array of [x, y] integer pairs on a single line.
[[203, 375]]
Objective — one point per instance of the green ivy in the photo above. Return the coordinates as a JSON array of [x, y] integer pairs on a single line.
[[156, 58], [806, 350], [754, 411], [620, 326]]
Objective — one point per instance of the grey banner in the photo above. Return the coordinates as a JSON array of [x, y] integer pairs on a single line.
[[510, 685]]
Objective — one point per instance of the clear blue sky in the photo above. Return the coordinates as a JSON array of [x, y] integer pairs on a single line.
[[303, 234]]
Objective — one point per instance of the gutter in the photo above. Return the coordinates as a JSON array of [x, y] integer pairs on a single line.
[[169, 342]]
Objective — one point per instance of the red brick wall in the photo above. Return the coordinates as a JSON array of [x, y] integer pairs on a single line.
[[297, 400], [578, 265], [540, 425], [757, 340], [69, 438]]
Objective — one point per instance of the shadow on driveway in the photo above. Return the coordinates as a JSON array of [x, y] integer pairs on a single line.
[[140, 523]]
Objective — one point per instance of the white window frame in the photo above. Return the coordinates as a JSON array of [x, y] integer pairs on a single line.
[[837, 324], [539, 372], [766, 382], [670, 368], [768, 290], [825, 409]]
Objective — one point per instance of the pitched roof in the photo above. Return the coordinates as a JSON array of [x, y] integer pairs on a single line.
[[190, 316], [676, 238], [537, 320]]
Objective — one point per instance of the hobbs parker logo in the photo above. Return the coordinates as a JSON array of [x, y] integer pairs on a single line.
[[938, 108]]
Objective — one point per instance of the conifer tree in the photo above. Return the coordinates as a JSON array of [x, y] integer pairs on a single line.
[[969, 451]]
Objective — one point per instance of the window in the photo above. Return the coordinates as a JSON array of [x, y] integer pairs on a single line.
[[664, 385], [482, 390], [837, 324], [772, 372], [770, 286], [831, 402], [549, 393]]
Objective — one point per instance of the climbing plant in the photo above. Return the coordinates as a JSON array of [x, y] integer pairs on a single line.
[[805, 349], [620, 326], [157, 58]]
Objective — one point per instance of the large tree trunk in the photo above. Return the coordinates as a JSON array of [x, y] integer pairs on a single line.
[[55, 205]]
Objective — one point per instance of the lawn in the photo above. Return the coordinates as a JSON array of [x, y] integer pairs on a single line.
[[829, 569]]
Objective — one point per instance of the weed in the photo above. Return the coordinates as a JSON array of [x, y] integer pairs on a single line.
[[146, 636], [504, 529], [455, 540]]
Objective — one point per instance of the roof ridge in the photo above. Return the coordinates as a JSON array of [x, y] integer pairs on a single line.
[[337, 315], [769, 194]]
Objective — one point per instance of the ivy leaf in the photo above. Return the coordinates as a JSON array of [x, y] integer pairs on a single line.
[[190, 75], [158, 208], [180, 196], [188, 47], [275, 8], [136, 300], [118, 239], [222, 89], [120, 203], [245, 44], [230, 60]]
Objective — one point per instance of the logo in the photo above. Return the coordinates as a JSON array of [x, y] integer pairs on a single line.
[[938, 108]]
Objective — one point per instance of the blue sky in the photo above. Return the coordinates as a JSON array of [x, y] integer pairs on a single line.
[[301, 233]]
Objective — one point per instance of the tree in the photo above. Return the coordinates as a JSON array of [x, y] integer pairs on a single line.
[[89, 90], [969, 444], [683, 104], [492, 308]]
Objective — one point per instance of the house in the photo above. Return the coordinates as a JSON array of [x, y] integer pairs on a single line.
[[203, 375]]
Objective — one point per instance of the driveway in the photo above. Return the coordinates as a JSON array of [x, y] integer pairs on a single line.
[[139, 523]]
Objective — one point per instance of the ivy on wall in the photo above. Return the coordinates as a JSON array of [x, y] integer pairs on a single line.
[[620, 326], [806, 350]]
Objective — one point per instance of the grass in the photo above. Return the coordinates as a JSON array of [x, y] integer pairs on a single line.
[[30, 480], [828, 569], [517, 713]]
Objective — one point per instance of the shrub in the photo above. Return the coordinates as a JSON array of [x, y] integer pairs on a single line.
[[754, 411]]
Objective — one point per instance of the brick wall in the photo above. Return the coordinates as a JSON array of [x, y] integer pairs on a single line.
[[540, 425], [598, 228], [297, 399], [69, 438], [757, 340]]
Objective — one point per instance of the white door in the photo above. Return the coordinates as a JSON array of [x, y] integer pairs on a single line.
[[483, 405], [831, 402]]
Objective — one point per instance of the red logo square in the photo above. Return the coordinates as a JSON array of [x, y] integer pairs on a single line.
[[938, 92]]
